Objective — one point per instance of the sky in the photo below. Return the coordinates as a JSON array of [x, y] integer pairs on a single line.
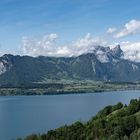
[[69, 27]]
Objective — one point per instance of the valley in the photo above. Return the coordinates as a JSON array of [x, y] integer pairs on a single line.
[[67, 87]]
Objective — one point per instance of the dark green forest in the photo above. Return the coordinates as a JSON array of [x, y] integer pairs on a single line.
[[118, 122]]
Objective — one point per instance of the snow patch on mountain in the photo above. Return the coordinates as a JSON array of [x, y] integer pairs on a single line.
[[5, 63], [135, 67], [2, 68]]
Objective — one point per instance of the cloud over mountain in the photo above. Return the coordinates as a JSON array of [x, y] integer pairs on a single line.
[[131, 50], [47, 46], [35, 47]]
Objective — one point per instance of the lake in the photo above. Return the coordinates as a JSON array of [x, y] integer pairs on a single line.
[[24, 115]]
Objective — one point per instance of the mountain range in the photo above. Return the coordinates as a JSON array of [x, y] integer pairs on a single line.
[[100, 64]]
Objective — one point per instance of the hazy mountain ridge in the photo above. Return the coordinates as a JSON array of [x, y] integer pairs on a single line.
[[101, 64]]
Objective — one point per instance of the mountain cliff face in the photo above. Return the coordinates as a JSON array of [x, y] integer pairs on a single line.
[[102, 64]]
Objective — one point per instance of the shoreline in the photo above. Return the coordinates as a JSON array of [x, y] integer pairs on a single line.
[[68, 93]]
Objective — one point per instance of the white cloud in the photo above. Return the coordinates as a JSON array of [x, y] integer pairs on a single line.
[[131, 50], [111, 30], [47, 46], [1, 53], [130, 28], [35, 47]]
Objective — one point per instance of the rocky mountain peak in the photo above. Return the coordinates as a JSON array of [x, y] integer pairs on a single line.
[[117, 51], [106, 54]]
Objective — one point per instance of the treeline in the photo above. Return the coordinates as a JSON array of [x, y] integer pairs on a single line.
[[118, 122]]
